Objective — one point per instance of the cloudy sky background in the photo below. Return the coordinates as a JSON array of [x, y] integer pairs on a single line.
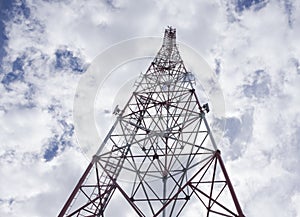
[[45, 47]]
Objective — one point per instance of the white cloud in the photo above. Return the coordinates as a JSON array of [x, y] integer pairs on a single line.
[[266, 171], [33, 187], [296, 201], [24, 129]]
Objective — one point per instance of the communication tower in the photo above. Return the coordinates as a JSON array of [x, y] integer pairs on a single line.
[[160, 140]]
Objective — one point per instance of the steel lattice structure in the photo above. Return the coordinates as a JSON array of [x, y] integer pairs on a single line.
[[162, 142]]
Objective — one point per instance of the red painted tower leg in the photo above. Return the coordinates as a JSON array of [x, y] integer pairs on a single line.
[[76, 189], [234, 197]]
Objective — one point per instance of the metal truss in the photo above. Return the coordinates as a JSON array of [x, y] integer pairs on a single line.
[[160, 153]]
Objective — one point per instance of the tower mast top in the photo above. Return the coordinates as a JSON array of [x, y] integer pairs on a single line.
[[170, 37]]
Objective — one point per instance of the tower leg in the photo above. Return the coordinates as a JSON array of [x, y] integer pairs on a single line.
[[76, 189], [234, 197]]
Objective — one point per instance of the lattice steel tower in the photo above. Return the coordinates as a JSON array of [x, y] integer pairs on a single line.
[[162, 142]]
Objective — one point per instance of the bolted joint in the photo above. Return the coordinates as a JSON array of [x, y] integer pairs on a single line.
[[96, 158], [131, 199], [155, 156], [202, 114]]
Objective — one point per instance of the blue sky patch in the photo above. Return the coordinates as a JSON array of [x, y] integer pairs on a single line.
[[260, 86], [52, 149], [5, 5], [242, 5], [12, 77], [65, 59]]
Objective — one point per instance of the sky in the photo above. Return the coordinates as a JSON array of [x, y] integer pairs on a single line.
[[46, 47]]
